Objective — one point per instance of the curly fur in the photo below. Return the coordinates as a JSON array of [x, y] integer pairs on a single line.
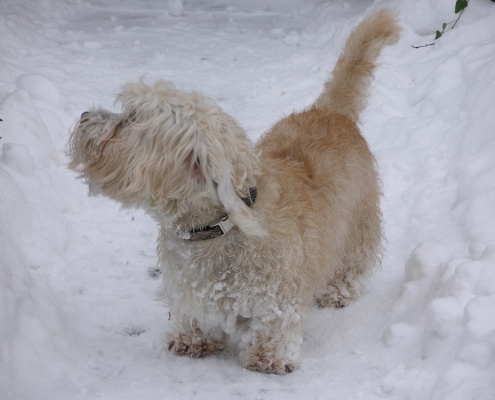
[[127, 156], [313, 234]]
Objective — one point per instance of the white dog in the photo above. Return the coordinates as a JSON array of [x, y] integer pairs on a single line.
[[249, 236]]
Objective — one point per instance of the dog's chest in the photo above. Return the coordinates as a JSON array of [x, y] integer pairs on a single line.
[[218, 283]]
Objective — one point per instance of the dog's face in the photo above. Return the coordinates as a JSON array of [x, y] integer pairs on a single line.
[[173, 152]]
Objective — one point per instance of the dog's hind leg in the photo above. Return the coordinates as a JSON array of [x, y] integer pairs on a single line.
[[349, 280], [341, 291], [362, 254], [190, 340]]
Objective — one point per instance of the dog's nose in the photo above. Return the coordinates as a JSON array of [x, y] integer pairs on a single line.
[[84, 113]]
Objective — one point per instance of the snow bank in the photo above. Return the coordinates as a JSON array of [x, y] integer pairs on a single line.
[[78, 288], [33, 331]]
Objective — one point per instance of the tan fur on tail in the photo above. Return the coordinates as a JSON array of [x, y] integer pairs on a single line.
[[346, 91]]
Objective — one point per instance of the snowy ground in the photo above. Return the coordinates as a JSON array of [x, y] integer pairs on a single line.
[[79, 310]]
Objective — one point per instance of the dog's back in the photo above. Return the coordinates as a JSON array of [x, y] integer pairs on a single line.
[[325, 174]]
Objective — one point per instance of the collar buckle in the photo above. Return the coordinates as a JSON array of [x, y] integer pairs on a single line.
[[223, 226]]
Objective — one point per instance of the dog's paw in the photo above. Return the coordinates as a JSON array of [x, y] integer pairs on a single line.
[[338, 295], [195, 347], [269, 366]]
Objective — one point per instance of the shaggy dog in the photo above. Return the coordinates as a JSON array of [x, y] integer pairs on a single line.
[[250, 236]]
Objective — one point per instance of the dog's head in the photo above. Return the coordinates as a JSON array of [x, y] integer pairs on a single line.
[[169, 151]]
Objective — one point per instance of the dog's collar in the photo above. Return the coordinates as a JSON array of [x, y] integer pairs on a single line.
[[223, 226]]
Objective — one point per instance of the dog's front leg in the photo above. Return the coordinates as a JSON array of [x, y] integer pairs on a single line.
[[193, 341], [272, 347]]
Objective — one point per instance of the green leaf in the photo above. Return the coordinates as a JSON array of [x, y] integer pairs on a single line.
[[443, 27], [460, 5], [438, 35]]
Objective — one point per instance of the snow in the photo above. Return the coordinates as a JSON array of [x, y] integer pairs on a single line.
[[175, 7], [80, 315]]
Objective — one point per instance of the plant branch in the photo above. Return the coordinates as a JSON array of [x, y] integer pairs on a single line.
[[425, 45], [460, 6], [458, 18]]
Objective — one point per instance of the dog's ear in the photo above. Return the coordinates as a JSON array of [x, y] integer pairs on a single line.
[[240, 214], [193, 164]]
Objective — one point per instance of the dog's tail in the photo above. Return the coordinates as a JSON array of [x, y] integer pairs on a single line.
[[346, 90]]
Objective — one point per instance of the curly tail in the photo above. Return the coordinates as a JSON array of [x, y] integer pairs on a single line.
[[346, 90]]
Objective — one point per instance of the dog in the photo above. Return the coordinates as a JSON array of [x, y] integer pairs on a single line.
[[250, 236]]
